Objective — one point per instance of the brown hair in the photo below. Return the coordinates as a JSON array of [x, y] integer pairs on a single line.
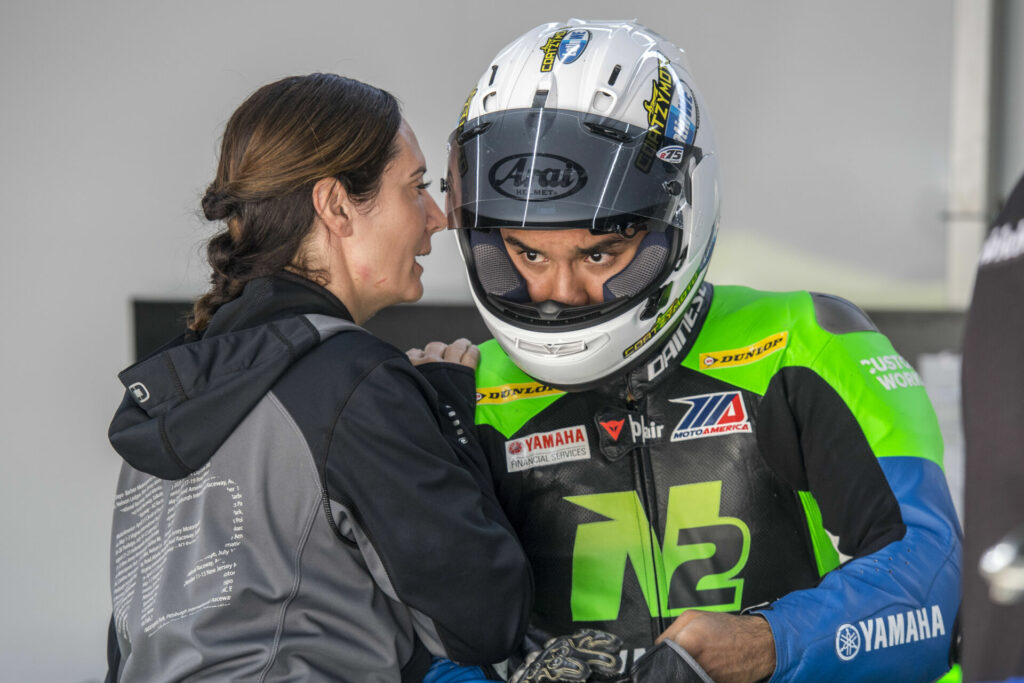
[[283, 139]]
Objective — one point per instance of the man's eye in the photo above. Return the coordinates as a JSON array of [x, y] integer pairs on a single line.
[[423, 186], [599, 257], [531, 256]]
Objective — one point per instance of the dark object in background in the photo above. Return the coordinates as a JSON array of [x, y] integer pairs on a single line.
[[993, 412], [156, 322], [911, 332]]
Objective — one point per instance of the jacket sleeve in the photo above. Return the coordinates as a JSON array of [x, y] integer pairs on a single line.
[[857, 432], [408, 481]]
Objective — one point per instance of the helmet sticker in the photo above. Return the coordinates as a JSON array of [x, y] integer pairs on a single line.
[[671, 115], [463, 117], [663, 319], [537, 177], [464, 114], [551, 48], [658, 108], [572, 46], [673, 154]]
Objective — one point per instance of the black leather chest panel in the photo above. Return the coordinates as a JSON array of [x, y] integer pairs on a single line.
[[665, 505]]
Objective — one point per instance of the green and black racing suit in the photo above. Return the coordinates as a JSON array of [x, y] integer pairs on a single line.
[[707, 478]]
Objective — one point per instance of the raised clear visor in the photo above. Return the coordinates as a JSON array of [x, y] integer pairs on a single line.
[[548, 168]]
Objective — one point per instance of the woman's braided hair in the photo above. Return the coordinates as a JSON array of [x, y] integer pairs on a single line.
[[283, 139]]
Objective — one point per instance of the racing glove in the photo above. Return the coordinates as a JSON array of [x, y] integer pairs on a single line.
[[573, 658]]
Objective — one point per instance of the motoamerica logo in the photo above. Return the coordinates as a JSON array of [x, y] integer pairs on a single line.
[[711, 415], [895, 629], [537, 177]]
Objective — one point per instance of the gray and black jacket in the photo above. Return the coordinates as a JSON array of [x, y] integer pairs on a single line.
[[296, 504]]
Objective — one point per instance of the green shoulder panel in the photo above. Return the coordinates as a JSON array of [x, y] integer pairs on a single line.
[[750, 335], [506, 397]]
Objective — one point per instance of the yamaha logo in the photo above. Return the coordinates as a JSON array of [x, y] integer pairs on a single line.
[[847, 642], [537, 177]]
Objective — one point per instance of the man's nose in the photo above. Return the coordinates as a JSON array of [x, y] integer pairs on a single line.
[[568, 289]]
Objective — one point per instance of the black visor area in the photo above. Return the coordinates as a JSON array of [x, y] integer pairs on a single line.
[[498, 276], [503, 290], [549, 168]]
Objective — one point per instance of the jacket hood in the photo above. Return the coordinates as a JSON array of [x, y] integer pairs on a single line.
[[184, 400]]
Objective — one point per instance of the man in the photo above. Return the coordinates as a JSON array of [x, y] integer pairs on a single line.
[[672, 453], [993, 396]]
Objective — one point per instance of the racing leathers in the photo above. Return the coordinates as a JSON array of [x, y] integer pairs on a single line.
[[707, 477]]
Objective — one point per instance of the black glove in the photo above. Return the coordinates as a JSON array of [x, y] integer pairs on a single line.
[[573, 658], [666, 662]]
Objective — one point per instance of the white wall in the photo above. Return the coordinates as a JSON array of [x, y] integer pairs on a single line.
[[1009, 153], [833, 126]]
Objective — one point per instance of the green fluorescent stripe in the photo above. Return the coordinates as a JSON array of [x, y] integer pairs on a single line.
[[825, 553], [955, 675], [897, 421], [496, 369]]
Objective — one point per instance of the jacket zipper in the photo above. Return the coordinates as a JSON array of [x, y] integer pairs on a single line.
[[643, 476]]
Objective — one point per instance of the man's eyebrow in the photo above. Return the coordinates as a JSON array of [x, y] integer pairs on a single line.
[[419, 171], [605, 244], [609, 242], [520, 245]]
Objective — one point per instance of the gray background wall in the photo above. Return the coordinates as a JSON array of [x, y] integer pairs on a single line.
[[833, 120]]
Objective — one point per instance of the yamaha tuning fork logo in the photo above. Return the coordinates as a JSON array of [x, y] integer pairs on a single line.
[[847, 642], [537, 177]]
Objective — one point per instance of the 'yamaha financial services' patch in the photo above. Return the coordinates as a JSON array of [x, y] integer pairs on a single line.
[[547, 448]]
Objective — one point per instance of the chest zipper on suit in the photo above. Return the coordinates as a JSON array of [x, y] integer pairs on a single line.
[[643, 479]]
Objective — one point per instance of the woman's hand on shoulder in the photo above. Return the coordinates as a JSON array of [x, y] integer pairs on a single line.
[[461, 351]]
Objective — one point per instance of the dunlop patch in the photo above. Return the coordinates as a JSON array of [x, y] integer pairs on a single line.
[[746, 354], [507, 393]]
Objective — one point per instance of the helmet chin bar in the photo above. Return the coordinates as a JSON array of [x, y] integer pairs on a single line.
[[552, 312]]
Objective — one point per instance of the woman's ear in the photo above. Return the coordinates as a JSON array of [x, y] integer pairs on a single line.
[[332, 206]]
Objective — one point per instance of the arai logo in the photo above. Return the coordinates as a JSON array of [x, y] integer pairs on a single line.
[[572, 46], [537, 177]]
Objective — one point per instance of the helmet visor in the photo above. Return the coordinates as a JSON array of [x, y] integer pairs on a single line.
[[549, 168]]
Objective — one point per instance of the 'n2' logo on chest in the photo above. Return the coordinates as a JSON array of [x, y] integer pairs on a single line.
[[695, 566]]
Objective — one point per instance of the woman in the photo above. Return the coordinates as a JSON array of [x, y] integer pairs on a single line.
[[295, 502]]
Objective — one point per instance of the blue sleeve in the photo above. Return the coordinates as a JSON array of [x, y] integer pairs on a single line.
[[447, 671], [887, 615]]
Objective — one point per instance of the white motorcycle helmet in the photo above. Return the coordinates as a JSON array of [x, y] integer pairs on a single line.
[[585, 124]]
